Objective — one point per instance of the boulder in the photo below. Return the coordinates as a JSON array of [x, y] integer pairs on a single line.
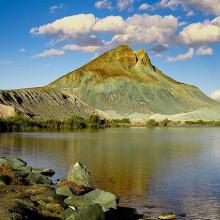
[[64, 191], [22, 171], [35, 178], [93, 212], [79, 202], [79, 174], [44, 171], [3, 162], [4, 180], [13, 162], [106, 200], [68, 212]]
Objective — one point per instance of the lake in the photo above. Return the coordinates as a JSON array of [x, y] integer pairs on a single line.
[[176, 169]]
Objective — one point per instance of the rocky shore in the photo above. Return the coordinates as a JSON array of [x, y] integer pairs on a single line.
[[29, 193]]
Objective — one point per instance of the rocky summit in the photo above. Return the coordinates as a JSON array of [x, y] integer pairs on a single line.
[[119, 83]]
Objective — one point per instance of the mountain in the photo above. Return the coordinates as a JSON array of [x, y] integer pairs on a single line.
[[119, 83], [124, 83]]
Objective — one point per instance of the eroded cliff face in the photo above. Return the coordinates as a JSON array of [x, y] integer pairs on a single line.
[[41, 103]]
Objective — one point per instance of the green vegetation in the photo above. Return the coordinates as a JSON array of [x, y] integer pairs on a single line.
[[19, 123], [152, 123], [120, 122], [203, 123]]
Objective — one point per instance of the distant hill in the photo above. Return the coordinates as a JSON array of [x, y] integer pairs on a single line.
[[120, 83]]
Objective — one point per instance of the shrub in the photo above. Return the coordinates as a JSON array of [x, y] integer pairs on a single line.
[[152, 123]]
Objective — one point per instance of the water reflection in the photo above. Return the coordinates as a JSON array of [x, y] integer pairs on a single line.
[[176, 168]]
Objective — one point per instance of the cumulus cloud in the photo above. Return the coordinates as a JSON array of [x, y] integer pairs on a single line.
[[103, 4], [48, 53], [206, 6], [216, 95], [169, 4], [181, 57], [22, 50], [144, 6], [137, 29], [201, 51], [5, 61], [88, 49], [204, 51], [53, 9], [200, 33], [125, 4]]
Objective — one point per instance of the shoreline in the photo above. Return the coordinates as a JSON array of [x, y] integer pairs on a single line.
[[29, 193], [16, 124]]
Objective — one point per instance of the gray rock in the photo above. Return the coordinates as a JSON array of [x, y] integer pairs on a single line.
[[22, 171], [3, 162], [93, 212], [79, 174], [107, 200], [68, 212], [14, 162], [64, 191], [35, 178], [44, 171], [79, 202]]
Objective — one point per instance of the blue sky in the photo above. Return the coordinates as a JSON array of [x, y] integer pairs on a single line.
[[42, 40]]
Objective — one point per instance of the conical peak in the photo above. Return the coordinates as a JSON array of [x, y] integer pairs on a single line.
[[125, 55]]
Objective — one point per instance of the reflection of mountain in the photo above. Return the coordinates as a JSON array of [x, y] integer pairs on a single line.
[[121, 82], [124, 161]]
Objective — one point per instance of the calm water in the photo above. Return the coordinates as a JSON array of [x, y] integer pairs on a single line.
[[175, 168]]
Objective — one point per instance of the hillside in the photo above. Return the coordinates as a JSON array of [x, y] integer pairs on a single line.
[[120, 83], [124, 82], [42, 103]]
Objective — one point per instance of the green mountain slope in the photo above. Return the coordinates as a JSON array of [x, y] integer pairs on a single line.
[[123, 81]]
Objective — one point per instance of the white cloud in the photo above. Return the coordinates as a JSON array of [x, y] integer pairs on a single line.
[[125, 4], [22, 50], [181, 57], [4, 61], [169, 4], [48, 53], [103, 4], [88, 49], [53, 9], [70, 26], [204, 51], [216, 95], [206, 6], [200, 33], [137, 29], [190, 13], [144, 6]]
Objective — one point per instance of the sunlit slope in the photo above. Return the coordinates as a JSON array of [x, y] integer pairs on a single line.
[[125, 82], [41, 103]]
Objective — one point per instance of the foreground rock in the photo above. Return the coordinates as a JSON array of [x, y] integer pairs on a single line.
[[29, 193], [79, 175]]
